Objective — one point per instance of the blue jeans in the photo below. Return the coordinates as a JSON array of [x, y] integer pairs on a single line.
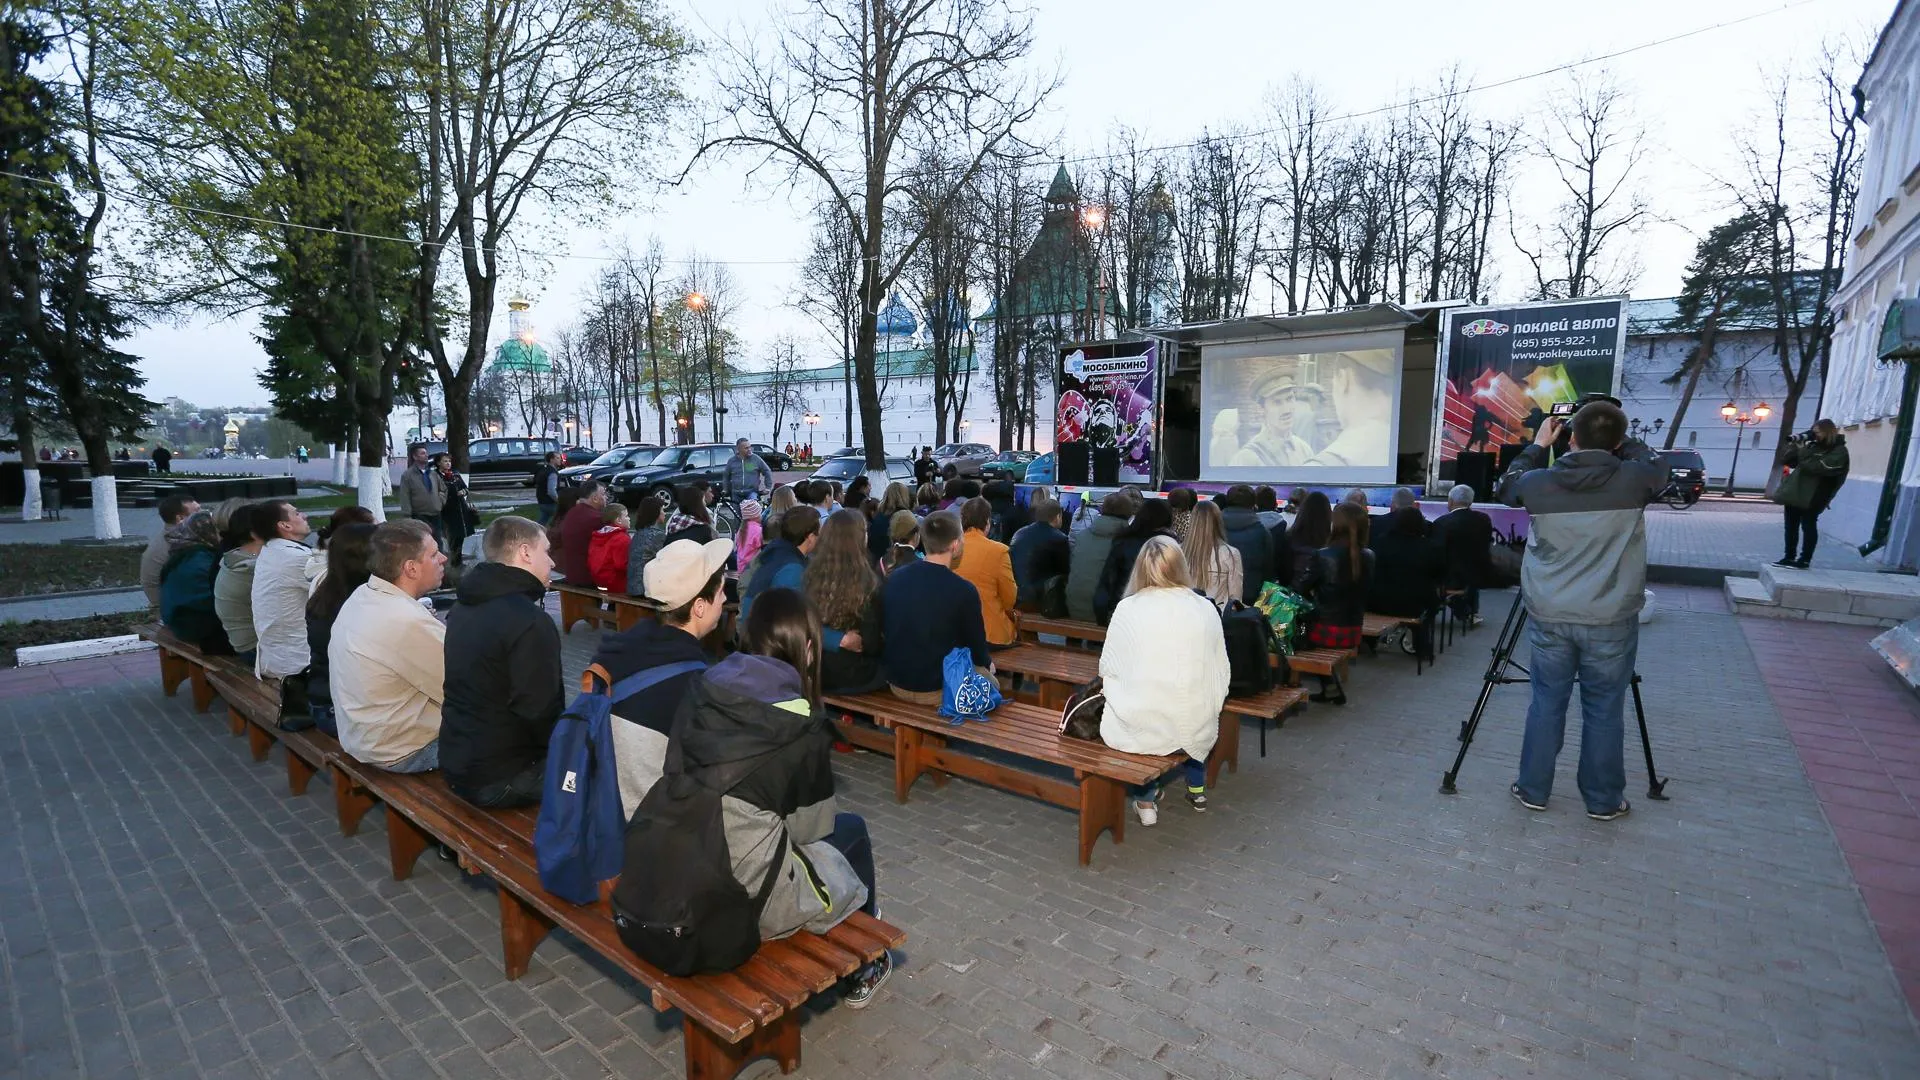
[[1602, 658], [1195, 772], [425, 759], [849, 837]]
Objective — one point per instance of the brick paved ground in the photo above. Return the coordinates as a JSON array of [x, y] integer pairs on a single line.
[[167, 910], [1741, 535]]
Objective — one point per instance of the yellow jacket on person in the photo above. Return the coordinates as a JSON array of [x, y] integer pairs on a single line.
[[984, 562]]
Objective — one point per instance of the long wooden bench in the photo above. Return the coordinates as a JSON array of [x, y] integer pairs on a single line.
[[1029, 627], [728, 1020], [1101, 773], [182, 661], [255, 706], [599, 608]]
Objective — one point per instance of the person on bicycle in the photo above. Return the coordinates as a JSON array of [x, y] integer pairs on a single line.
[[747, 477]]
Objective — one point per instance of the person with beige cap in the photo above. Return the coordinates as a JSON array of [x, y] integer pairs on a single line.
[[1277, 444], [1360, 384], [686, 583]]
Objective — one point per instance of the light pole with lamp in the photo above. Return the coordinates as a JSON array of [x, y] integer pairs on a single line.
[[813, 423], [1095, 218], [698, 302], [1741, 420]]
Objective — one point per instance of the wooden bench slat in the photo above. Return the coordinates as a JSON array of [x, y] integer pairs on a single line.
[[1025, 729]]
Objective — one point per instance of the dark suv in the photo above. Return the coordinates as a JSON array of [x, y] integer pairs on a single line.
[[610, 464], [1688, 473], [674, 466], [503, 459]]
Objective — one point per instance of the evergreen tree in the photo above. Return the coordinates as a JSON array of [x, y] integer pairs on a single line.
[[1721, 287]]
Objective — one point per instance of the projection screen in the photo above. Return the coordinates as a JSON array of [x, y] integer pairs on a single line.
[[1322, 410]]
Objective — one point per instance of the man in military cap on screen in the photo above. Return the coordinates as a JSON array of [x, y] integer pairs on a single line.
[[1360, 385], [1277, 443]]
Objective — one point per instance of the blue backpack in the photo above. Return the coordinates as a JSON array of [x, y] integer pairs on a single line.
[[580, 836], [966, 694]]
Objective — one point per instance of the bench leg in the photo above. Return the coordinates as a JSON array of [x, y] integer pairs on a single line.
[[236, 724], [1103, 805], [258, 740], [572, 610], [202, 690], [299, 773], [710, 1057], [1226, 749], [350, 801], [174, 670], [521, 930], [405, 842]]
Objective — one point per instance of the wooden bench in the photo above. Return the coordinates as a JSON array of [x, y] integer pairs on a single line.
[[255, 706], [1029, 627], [1326, 663], [1101, 773], [728, 1020], [599, 608], [1057, 672], [182, 661], [1373, 627]]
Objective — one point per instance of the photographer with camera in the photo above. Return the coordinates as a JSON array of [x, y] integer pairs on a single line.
[[1584, 581], [1816, 467]]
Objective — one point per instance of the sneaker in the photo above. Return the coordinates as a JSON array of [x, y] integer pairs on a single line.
[[868, 980], [1197, 800], [1524, 801], [1789, 562], [1146, 811], [1620, 811], [1802, 564], [1474, 620]]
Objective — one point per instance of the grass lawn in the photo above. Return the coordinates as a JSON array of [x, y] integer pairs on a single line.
[[525, 510], [335, 501], [37, 569], [14, 635]]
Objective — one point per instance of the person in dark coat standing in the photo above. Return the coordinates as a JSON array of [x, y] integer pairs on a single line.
[[1463, 538], [1251, 538], [1041, 554], [1818, 462], [162, 459], [576, 535], [503, 693]]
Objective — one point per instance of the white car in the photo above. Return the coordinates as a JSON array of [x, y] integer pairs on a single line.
[[844, 469]]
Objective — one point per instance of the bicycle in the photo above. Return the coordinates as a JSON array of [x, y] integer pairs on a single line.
[[1676, 498]]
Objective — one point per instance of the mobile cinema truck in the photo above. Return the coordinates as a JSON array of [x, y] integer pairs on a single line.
[[1372, 396]]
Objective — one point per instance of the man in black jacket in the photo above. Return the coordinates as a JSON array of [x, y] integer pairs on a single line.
[[503, 692], [1463, 538], [1041, 553], [929, 611], [1249, 536]]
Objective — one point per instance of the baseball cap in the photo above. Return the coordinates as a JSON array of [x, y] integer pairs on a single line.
[[677, 574]]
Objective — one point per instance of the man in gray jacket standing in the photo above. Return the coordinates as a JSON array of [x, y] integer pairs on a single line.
[[1584, 580], [422, 493]]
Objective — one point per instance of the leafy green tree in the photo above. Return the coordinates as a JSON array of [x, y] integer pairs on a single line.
[[1721, 288]]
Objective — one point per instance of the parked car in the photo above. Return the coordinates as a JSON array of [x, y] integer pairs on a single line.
[[1007, 465], [966, 458], [1041, 469], [775, 459], [844, 469], [673, 466], [1688, 472], [620, 458], [505, 460], [579, 455]]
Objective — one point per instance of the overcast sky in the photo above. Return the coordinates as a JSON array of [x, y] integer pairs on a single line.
[[1172, 69]]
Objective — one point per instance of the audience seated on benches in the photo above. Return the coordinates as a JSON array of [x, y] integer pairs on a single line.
[[897, 497], [1336, 581], [1266, 505], [387, 656], [1312, 526], [1251, 537], [760, 704], [1406, 568], [503, 681], [1042, 561], [1090, 549], [783, 561], [688, 581], [280, 608], [844, 589], [987, 566], [349, 565], [927, 611], [173, 509], [649, 536], [241, 539], [1151, 518], [186, 585], [1164, 671]]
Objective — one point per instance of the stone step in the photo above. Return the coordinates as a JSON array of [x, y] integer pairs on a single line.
[[1878, 599], [1748, 591]]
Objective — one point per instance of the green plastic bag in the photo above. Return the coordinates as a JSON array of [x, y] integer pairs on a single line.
[[1284, 610]]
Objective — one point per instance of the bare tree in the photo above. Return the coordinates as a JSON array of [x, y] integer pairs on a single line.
[[830, 288], [847, 89], [645, 273], [1007, 215], [1299, 147], [780, 395], [1219, 209], [939, 279], [709, 297], [1595, 148], [1137, 242]]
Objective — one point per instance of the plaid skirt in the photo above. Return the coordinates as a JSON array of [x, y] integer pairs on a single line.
[[1324, 636]]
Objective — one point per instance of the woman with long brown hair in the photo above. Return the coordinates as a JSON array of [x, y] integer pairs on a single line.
[[1215, 564], [1336, 581], [1312, 525], [841, 585], [897, 497], [349, 565]]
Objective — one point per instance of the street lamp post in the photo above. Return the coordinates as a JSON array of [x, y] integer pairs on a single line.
[[813, 423], [1741, 420], [1095, 218], [698, 302]]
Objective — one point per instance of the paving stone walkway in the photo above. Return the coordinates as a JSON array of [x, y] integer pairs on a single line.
[[166, 909]]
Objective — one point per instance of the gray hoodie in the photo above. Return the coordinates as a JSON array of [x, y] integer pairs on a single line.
[[1090, 547], [1587, 544]]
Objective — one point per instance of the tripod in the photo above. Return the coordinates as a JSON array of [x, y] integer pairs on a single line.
[[1500, 673]]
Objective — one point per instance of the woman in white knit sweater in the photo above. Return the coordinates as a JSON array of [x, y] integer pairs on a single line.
[[1164, 672]]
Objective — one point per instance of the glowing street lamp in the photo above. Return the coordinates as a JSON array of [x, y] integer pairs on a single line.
[[1731, 414]]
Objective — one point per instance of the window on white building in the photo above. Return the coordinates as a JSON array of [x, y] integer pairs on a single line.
[[1756, 438], [1693, 438]]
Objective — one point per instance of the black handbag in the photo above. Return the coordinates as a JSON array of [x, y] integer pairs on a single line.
[[1080, 717]]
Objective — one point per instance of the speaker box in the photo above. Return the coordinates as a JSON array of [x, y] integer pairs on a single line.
[[1106, 466], [1474, 469], [1070, 464]]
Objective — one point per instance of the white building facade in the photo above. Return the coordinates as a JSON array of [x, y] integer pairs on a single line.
[[1883, 265]]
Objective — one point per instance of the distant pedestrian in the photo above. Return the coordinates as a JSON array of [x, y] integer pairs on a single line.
[[546, 486], [457, 519], [162, 459]]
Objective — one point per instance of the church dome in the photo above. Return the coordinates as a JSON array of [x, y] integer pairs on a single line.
[[896, 320]]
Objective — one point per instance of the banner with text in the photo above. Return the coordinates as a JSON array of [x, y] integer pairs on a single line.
[[1103, 416]]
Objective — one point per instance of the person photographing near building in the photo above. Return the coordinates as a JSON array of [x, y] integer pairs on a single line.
[[1584, 583], [1817, 465]]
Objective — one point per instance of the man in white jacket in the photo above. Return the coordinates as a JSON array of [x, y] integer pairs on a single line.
[[387, 659], [280, 608]]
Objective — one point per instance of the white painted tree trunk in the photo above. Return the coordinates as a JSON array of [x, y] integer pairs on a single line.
[[30, 509], [372, 490], [340, 465], [106, 508]]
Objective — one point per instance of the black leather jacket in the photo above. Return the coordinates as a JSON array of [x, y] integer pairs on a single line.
[[1339, 599]]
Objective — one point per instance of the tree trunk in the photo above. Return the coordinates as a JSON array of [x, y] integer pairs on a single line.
[[30, 508]]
